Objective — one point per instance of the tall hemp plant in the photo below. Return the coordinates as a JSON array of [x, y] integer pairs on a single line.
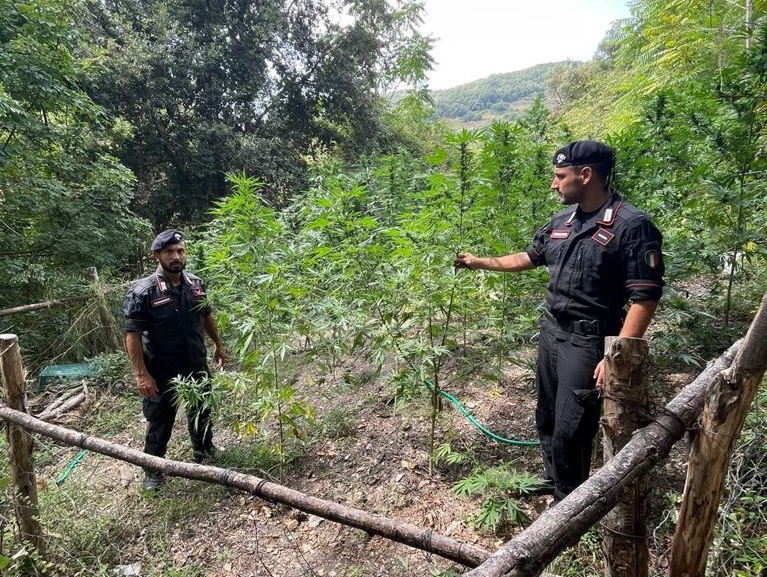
[[442, 227], [350, 230], [256, 282], [389, 242], [514, 200], [696, 157]]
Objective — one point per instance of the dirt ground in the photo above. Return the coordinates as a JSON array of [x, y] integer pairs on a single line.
[[379, 464]]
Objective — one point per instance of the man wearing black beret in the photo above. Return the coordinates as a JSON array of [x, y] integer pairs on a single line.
[[166, 315], [602, 254]]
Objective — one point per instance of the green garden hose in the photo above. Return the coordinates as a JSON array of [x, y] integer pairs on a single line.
[[465, 412], [70, 467]]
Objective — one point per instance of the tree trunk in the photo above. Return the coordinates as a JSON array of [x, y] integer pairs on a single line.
[[626, 409], [727, 402], [20, 444], [527, 554], [423, 539]]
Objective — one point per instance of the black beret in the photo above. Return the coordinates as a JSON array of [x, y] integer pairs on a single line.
[[166, 237], [583, 152]]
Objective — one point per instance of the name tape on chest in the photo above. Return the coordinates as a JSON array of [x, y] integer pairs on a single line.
[[163, 300]]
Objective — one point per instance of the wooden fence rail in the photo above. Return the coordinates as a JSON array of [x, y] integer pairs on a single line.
[[41, 306], [727, 402], [420, 538], [529, 553]]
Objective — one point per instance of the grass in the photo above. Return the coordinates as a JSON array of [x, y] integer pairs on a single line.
[[337, 423]]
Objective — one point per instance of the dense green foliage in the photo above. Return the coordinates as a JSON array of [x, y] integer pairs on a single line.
[[363, 259], [211, 88], [688, 124], [63, 197]]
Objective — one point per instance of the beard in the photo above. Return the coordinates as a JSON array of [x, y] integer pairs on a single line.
[[174, 267]]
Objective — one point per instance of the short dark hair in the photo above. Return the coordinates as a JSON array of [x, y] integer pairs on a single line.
[[603, 170]]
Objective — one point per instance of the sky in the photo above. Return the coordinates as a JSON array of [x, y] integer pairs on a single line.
[[477, 38]]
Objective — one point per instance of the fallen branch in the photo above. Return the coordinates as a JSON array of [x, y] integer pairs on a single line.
[[65, 403], [39, 306], [423, 539], [49, 304]]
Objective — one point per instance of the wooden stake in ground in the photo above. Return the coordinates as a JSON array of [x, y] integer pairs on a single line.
[[561, 526], [727, 402], [626, 410], [20, 444]]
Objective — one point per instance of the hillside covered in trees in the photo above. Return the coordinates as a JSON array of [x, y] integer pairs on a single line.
[[325, 220], [498, 97]]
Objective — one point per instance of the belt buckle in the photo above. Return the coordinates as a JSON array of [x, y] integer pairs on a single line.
[[586, 327]]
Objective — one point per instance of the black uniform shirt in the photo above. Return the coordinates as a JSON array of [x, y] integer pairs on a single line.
[[171, 320], [598, 262]]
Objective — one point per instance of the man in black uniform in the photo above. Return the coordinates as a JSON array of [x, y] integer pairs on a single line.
[[165, 316], [601, 253]]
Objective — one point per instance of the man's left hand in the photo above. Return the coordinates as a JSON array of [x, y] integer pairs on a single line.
[[599, 375], [219, 356]]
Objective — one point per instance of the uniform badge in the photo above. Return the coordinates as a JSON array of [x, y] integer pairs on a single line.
[[652, 258], [603, 237], [559, 234], [161, 301]]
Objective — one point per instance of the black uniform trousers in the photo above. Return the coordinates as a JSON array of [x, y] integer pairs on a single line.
[[160, 413], [568, 410]]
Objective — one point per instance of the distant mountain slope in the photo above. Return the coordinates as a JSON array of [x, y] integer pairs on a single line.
[[500, 96]]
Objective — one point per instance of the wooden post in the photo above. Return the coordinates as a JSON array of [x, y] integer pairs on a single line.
[[626, 410], [727, 401], [20, 444], [107, 320], [561, 526]]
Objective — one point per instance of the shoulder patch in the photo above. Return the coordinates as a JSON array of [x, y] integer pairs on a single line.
[[652, 258]]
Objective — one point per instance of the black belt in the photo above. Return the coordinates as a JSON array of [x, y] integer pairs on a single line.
[[587, 327]]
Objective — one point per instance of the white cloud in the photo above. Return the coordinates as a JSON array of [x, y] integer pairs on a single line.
[[477, 38]]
